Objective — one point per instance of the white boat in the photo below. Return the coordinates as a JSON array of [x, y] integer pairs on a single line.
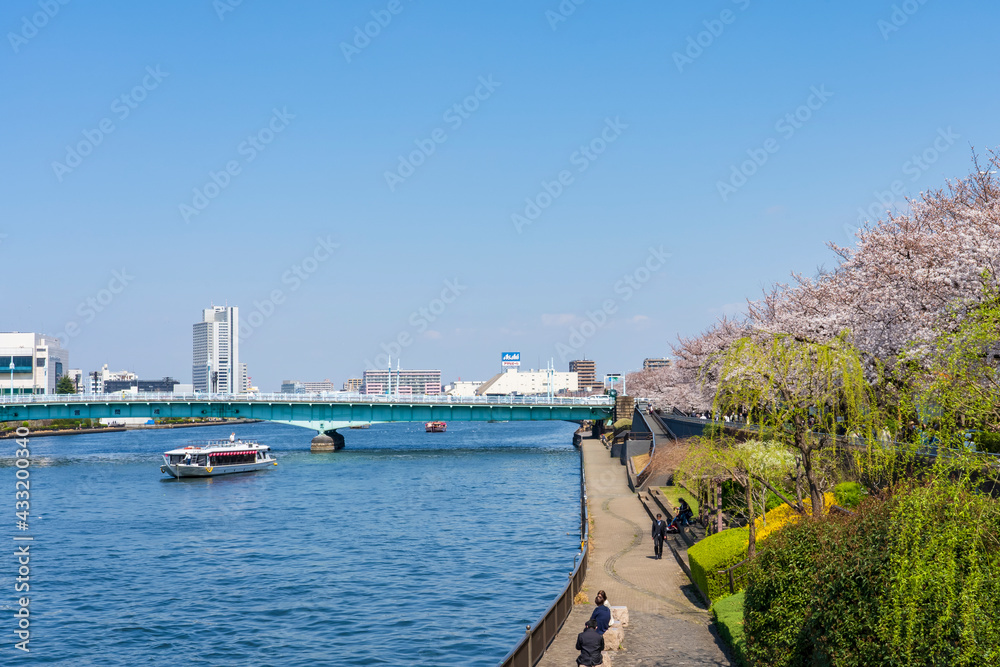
[[207, 458]]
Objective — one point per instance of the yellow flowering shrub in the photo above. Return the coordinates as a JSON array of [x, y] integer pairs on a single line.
[[782, 515]]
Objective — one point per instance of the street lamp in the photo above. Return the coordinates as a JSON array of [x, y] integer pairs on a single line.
[[12, 377]]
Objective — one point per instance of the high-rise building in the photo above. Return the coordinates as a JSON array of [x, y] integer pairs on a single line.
[[402, 382], [586, 374], [656, 363], [353, 385], [216, 366], [31, 363]]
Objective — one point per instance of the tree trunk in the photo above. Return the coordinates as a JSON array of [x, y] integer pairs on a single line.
[[718, 506], [798, 480], [752, 525], [815, 493]]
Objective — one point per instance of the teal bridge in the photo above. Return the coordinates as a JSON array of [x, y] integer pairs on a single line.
[[322, 413]]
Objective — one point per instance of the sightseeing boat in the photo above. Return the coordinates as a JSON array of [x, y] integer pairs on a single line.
[[208, 458], [435, 427]]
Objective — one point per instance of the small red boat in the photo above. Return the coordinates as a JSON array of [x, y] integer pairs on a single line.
[[435, 427]]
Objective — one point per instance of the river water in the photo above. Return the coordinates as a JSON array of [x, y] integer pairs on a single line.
[[405, 548]]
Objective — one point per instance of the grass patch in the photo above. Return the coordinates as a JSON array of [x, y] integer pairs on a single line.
[[674, 495], [728, 613]]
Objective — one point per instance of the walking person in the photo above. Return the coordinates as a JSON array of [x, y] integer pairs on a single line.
[[659, 534], [602, 613], [590, 644]]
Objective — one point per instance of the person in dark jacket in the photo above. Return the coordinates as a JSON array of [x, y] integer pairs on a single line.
[[684, 516], [659, 534], [602, 614], [684, 512], [590, 644]]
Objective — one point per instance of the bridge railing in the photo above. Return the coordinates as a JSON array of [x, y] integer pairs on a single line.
[[319, 397]]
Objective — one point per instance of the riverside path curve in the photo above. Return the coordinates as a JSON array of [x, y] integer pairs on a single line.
[[668, 624]]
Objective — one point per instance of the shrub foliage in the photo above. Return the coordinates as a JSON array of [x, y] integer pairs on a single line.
[[907, 581], [848, 494]]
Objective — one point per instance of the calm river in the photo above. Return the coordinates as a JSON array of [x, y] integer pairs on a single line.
[[405, 548]]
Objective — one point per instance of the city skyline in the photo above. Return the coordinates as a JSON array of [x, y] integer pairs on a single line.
[[623, 176]]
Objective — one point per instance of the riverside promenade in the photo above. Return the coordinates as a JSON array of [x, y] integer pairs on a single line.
[[668, 624]]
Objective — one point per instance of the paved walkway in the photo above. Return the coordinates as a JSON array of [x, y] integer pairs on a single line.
[[668, 624]]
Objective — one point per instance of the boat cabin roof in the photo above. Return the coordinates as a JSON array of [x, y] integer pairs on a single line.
[[214, 446]]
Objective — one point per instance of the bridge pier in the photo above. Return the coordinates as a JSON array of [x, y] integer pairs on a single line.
[[330, 441]]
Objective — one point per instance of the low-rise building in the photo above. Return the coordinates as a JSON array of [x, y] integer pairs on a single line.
[[31, 363], [403, 382], [296, 387], [97, 379], [528, 383], [463, 388], [165, 386], [354, 385], [76, 375]]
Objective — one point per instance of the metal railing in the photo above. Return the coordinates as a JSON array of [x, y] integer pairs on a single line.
[[641, 476], [539, 636], [732, 579], [318, 397]]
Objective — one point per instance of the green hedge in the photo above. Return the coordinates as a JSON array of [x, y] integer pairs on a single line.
[[728, 613], [849, 494], [717, 552], [910, 581]]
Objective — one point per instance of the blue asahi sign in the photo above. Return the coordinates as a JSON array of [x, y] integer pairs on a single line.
[[510, 359]]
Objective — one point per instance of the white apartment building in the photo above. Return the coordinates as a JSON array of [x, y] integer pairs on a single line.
[[529, 383], [463, 388], [96, 379], [31, 363], [296, 387], [76, 375], [405, 382], [215, 361]]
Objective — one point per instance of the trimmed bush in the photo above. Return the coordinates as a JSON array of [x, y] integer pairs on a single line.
[[716, 552], [621, 425], [728, 613], [909, 581], [849, 494], [729, 547], [786, 609]]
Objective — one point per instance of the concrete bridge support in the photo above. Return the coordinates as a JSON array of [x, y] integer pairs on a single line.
[[329, 441]]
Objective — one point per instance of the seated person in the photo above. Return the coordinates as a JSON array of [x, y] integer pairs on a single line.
[[590, 644], [602, 614], [684, 516]]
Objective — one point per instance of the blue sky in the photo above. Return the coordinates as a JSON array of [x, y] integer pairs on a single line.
[[874, 84]]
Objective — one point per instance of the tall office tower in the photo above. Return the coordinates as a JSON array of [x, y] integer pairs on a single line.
[[586, 373], [215, 363]]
